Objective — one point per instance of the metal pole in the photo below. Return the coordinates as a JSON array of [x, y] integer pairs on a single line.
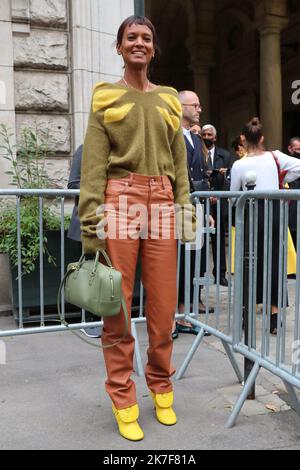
[[248, 364]]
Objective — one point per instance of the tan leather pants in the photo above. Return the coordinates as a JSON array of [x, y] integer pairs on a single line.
[[154, 237]]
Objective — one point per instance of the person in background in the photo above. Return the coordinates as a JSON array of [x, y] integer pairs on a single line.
[[196, 165], [134, 151], [240, 153], [195, 129], [239, 149], [220, 160], [294, 147], [264, 164], [74, 232], [294, 151]]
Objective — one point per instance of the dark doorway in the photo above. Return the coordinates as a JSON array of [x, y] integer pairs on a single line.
[[173, 67], [291, 127]]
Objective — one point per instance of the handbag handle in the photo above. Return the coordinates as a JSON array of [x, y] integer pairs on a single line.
[[103, 252], [123, 303], [106, 257], [281, 173]]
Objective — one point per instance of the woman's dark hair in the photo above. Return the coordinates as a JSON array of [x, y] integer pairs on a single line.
[[253, 131], [236, 143], [141, 20]]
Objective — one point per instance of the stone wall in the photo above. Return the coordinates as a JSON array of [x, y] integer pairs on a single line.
[[42, 73], [49, 13], [42, 51], [58, 127], [7, 106]]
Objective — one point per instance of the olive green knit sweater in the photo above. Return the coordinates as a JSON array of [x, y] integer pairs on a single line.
[[129, 131]]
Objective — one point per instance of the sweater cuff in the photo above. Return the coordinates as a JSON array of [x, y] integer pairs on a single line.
[[91, 245], [186, 223]]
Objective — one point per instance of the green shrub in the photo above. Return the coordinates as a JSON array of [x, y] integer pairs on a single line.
[[28, 171]]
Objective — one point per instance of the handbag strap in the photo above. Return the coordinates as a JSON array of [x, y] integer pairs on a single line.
[[106, 257], [64, 322], [281, 173]]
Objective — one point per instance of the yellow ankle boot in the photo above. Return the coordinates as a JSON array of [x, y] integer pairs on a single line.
[[127, 422], [163, 404]]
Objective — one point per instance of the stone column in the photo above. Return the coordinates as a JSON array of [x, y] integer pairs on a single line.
[[7, 107], [94, 26], [201, 66], [201, 44], [271, 19]]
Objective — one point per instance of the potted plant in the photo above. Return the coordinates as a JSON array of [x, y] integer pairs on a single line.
[[29, 170]]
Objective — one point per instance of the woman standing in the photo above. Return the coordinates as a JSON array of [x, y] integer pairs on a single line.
[[134, 162], [265, 164]]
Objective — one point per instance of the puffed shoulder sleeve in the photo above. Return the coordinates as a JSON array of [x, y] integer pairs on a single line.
[[235, 178], [96, 151], [290, 165]]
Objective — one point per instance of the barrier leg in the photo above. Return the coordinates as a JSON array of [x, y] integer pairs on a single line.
[[137, 354], [190, 355], [243, 397], [295, 403], [233, 361]]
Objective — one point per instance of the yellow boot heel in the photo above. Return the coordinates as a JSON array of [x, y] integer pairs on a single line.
[[127, 422], [163, 405]]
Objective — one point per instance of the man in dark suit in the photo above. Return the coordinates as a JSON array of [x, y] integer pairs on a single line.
[[220, 160], [74, 183], [191, 110]]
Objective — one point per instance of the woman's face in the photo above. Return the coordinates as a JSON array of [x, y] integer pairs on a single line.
[[137, 48], [240, 151]]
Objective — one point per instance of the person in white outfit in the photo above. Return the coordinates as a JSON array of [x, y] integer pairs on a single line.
[[267, 165]]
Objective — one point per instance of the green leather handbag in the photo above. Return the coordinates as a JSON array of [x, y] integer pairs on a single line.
[[95, 287]]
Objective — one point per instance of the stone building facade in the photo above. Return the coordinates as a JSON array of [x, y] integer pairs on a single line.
[[52, 52], [243, 58]]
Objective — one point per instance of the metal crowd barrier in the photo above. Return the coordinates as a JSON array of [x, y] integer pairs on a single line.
[[278, 354], [220, 323], [60, 197], [237, 308], [226, 322]]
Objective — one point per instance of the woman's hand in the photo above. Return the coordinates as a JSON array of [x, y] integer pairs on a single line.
[[211, 222], [222, 171]]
